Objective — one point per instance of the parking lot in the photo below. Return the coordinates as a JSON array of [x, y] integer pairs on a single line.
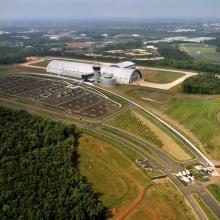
[[57, 94]]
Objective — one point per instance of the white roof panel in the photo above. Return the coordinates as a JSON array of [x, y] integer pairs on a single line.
[[76, 70]]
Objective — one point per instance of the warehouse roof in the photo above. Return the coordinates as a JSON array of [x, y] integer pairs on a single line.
[[76, 70], [125, 64]]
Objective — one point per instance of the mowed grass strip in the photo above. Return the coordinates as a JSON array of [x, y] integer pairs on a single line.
[[215, 191], [208, 212], [159, 76], [112, 174]]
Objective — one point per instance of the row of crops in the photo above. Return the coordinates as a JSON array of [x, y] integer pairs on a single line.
[[127, 121]]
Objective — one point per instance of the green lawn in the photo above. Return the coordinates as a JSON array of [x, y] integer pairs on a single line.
[[203, 52], [111, 172], [199, 116], [209, 213], [215, 191], [159, 76], [120, 182]]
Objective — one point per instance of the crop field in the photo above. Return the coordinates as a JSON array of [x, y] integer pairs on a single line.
[[159, 76], [127, 121], [202, 52], [57, 94], [139, 125], [128, 191]]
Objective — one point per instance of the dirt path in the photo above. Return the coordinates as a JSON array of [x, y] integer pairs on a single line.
[[131, 206]]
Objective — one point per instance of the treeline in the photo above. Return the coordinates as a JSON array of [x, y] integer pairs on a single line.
[[202, 84], [181, 60], [10, 55], [40, 178]]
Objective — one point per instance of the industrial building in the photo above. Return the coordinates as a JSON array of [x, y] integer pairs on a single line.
[[90, 72]]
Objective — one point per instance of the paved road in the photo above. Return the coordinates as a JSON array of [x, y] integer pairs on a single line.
[[164, 169], [181, 137]]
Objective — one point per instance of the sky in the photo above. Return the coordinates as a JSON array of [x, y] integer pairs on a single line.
[[88, 9]]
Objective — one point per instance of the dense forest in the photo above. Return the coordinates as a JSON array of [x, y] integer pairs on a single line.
[[202, 84], [40, 178]]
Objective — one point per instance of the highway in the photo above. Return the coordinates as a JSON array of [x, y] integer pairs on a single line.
[[164, 169]]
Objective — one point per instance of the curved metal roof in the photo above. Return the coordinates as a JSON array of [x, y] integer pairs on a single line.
[[76, 70], [125, 64]]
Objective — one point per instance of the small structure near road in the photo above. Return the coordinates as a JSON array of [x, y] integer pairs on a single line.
[[185, 176]]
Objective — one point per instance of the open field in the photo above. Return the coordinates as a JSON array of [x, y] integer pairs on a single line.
[[111, 172], [215, 191], [127, 190], [78, 45], [160, 202], [210, 215], [202, 52], [196, 115], [199, 116], [159, 76]]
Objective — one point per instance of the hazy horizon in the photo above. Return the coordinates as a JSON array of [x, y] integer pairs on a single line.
[[108, 9]]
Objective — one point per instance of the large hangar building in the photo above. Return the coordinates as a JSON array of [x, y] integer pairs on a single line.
[[84, 71]]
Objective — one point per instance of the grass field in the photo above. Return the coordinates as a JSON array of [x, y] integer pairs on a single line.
[[203, 52], [199, 116], [161, 202], [125, 189], [194, 113], [111, 172], [214, 190], [159, 76], [210, 215]]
